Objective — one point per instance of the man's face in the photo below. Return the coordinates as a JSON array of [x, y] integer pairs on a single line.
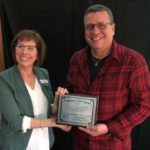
[[99, 30]]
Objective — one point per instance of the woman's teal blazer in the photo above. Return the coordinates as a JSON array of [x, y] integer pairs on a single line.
[[15, 103]]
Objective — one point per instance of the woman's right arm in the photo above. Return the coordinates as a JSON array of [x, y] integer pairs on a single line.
[[49, 122]]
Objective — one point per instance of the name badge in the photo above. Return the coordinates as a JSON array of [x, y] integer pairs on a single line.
[[44, 81]]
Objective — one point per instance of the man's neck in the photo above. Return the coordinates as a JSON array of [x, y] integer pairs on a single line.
[[99, 54]]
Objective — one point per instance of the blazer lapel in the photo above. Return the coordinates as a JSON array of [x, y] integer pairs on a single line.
[[21, 94]]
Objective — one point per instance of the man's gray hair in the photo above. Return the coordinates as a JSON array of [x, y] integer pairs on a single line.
[[99, 8]]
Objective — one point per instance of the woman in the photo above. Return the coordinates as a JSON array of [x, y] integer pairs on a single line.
[[26, 97]]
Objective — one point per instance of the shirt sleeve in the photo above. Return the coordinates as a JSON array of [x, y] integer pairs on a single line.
[[26, 123], [138, 107]]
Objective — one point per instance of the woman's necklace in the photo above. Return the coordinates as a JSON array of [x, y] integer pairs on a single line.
[[29, 79], [96, 62]]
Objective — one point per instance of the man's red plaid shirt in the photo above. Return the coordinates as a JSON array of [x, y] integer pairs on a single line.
[[123, 87]]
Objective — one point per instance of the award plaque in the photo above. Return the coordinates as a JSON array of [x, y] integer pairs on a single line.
[[77, 110]]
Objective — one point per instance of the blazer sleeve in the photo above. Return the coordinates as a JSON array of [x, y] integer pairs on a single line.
[[9, 108]]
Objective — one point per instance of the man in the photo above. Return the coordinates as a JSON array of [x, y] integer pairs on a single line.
[[115, 73]]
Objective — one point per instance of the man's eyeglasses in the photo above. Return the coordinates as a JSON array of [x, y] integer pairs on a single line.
[[100, 26], [28, 47]]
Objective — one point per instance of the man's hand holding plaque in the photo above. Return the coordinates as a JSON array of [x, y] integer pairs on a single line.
[[96, 130]]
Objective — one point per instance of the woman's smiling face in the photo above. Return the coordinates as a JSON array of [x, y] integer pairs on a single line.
[[26, 53]]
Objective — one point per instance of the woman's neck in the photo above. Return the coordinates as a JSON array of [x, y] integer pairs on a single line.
[[25, 71], [28, 76]]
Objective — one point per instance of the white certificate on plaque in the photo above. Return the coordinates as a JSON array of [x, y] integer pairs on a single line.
[[78, 110]]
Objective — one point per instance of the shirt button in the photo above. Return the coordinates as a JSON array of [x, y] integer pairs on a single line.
[[90, 142]]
